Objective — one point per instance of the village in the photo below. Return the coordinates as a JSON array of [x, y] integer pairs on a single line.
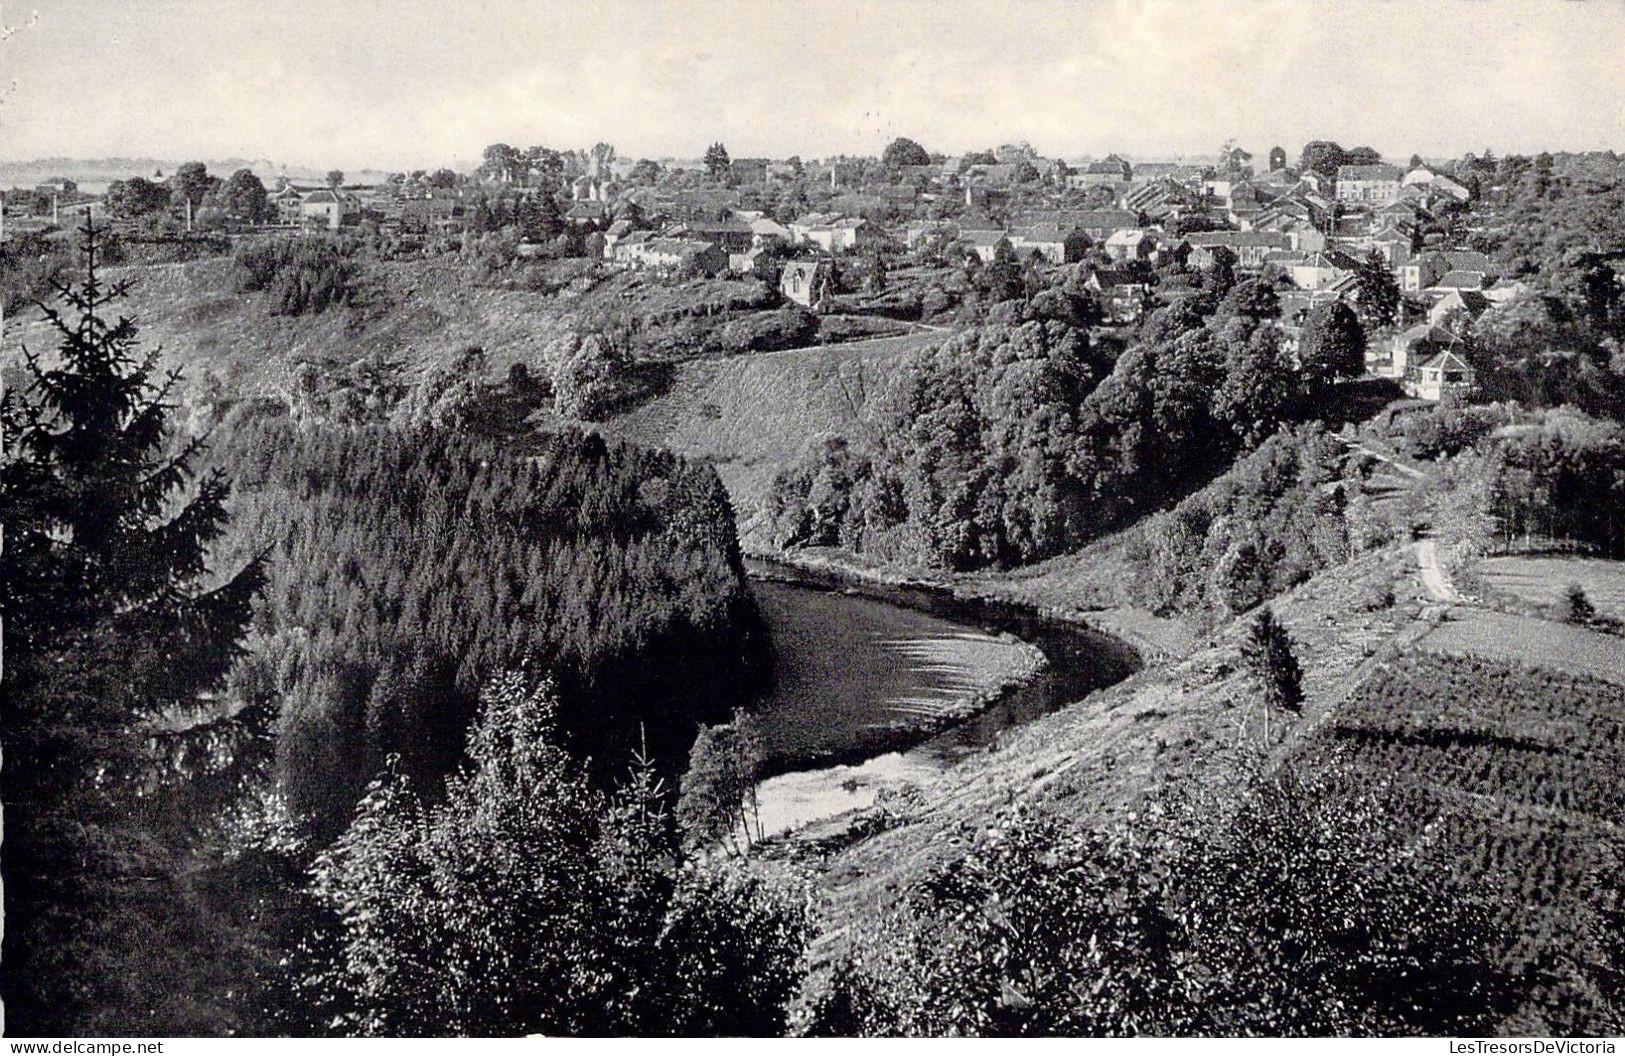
[[1139, 233]]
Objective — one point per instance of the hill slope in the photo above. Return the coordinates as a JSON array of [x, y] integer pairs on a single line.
[[752, 415]]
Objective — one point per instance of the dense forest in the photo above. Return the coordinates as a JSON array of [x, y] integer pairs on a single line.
[[1019, 439], [407, 567]]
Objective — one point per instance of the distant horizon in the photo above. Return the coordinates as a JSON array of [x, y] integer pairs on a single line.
[[323, 82], [316, 170]]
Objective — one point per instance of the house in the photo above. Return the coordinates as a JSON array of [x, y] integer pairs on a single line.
[[1445, 187], [764, 229], [1456, 280], [1250, 247], [1284, 259], [660, 253], [997, 175], [744, 263], [1132, 243], [586, 213], [428, 214], [1422, 271], [1436, 185], [1319, 271], [918, 232], [1099, 224], [803, 224], [1392, 243], [1444, 372], [1108, 172], [734, 236], [838, 235], [1244, 204], [1469, 260], [1160, 201], [985, 243], [1367, 183], [330, 209], [704, 203], [747, 170], [1417, 345], [613, 234], [1123, 295], [286, 202], [1151, 171], [1305, 237], [1051, 242], [805, 282]]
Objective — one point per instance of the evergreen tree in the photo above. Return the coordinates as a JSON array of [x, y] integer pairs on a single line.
[[117, 639], [719, 789], [1577, 608], [549, 218], [1267, 651], [876, 282]]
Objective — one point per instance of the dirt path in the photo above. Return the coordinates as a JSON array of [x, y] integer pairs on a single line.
[[1382, 456], [1433, 573]]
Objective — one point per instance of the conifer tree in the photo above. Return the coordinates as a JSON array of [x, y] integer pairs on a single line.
[[1267, 650], [117, 639]]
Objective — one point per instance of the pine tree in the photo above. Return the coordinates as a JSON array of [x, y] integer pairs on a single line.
[[876, 282], [1267, 651], [117, 639]]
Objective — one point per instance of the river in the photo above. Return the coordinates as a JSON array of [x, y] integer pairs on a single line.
[[867, 677]]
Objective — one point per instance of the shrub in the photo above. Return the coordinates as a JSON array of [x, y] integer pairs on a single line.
[[1576, 607], [789, 327], [306, 273], [1376, 593]]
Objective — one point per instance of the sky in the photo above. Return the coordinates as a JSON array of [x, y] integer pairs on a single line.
[[400, 84]]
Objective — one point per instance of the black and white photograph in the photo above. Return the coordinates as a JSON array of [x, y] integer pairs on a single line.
[[812, 519]]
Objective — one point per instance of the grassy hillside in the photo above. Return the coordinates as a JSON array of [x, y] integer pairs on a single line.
[[752, 415], [420, 312]]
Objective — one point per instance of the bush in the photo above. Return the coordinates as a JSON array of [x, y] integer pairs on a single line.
[[1576, 607], [28, 266], [1301, 915], [789, 327], [307, 273], [1376, 593]]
